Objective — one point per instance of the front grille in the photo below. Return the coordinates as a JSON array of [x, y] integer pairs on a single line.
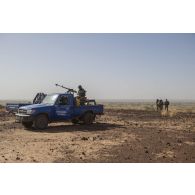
[[21, 111]]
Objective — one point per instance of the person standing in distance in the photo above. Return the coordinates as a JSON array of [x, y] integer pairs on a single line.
[[167, 103]]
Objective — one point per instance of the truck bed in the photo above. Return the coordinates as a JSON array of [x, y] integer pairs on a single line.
[[96, 109]]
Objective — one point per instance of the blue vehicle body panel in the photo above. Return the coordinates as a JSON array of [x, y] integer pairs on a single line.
[[40, 109], [97, 109]]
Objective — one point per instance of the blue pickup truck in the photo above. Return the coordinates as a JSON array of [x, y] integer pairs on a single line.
[[58, 107]]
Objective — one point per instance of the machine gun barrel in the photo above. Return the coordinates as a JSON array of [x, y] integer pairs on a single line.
[[69, 90]]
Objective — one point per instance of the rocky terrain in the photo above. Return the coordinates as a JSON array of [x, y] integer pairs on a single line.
[[120, 136]]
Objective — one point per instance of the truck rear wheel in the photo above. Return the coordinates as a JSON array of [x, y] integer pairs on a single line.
[[27, 124], [88, 118], [41, 122]]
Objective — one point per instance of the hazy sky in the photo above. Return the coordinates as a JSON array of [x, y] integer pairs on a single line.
[[109, 66]]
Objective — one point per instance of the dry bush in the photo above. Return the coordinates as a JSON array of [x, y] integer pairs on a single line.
[[1, 107]]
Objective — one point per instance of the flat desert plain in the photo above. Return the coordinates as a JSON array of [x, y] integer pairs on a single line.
[[126, 133]]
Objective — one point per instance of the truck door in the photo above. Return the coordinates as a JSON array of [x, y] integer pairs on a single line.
[[63, 108]]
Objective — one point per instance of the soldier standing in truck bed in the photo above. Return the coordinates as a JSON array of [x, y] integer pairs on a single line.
[[167, 103], [81, 91], [81, 98]]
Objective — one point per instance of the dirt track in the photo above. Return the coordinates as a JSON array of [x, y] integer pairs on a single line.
[[118, 136]]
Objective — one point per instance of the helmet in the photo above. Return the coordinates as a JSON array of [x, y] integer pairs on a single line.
[[80, 87]]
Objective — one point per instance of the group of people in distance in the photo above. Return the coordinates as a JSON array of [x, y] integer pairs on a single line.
[[160, 105]]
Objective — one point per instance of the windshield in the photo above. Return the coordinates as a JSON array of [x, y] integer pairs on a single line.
[[50, 99]]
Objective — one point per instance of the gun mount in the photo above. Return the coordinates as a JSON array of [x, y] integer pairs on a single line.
[[68, 89]]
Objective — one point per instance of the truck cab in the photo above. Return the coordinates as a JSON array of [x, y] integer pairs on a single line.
[[58, 107]]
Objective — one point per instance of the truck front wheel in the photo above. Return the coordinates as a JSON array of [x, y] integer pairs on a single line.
[[41, 122], [88, 118], [27, 124]]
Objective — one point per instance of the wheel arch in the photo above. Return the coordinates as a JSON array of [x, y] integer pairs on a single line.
[[88, 111], [43, 113]]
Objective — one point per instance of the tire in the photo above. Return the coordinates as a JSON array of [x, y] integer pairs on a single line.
[[88, 118], [41, 122], [75, 121], [27, 125]]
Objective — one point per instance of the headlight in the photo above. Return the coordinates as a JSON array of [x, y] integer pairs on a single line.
[[30, 111]]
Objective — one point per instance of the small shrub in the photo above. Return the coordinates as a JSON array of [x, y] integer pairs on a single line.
[[1, 107]]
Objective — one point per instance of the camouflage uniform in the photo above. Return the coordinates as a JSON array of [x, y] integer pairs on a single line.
[[81, 98], [81, 92], [157, 104], [167, 105], [161, 104]]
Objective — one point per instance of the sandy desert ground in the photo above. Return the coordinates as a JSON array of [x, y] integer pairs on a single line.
[[127, 133]]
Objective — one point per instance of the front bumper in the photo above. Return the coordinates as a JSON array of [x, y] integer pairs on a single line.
[[20, 118]]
